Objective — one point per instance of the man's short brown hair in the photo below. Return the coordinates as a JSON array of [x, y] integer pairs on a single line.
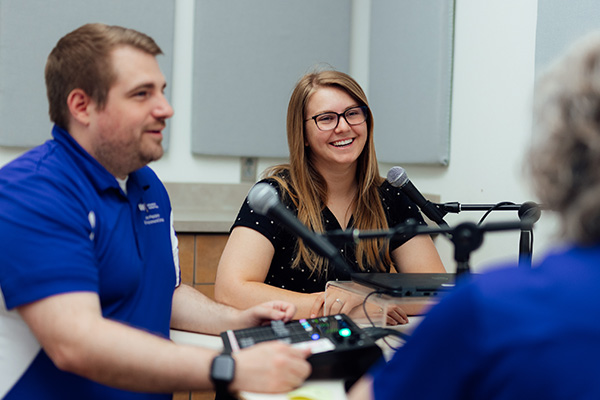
[[81, 59]]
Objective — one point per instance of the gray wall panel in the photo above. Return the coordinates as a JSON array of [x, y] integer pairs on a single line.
[[29, 29], [410, 79], [248, 56], [559, 24]]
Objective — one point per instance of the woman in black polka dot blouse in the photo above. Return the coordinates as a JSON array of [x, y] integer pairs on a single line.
[[332, 182]]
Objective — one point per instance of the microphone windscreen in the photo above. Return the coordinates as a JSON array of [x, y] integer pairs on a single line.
[[397, 177], [530, 210], [262, 198]]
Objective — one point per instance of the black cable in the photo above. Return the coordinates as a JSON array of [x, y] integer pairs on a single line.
[[377, 332], [364, 306], [495, 207]]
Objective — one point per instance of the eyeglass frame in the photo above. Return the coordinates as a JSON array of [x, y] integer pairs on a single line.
[[364, 108]]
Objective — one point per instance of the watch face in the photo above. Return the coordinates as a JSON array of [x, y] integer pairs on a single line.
[[223, 368]]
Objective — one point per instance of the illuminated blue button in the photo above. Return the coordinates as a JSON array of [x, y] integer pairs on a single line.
[[315, 336]]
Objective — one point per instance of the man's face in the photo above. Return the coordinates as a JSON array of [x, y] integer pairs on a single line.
[[127, 133]]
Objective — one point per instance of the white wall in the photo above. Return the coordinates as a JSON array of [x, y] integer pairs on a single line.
[[492, 91], [493, 80]]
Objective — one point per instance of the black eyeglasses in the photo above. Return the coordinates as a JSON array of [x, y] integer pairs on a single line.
[[330, 120]]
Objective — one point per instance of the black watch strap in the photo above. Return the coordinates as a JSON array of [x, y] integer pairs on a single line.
[[222, 372]]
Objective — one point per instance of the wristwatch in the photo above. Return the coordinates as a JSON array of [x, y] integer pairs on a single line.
[[222, 372]]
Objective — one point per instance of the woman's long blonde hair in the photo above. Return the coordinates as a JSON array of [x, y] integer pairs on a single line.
[[304, 185]]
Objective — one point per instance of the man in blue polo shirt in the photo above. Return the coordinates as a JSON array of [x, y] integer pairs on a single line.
[[89, 273]]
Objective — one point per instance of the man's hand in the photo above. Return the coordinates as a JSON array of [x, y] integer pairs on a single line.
[[267, 312], [270, 367]]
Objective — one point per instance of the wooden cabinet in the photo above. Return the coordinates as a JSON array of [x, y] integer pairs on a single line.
[[199, 255], [208, 395]]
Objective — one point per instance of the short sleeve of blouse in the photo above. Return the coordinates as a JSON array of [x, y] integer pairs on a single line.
[[249, 218], [399, 209]]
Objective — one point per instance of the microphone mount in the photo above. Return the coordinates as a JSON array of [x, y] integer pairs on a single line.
[[528, 210], [466, 236]]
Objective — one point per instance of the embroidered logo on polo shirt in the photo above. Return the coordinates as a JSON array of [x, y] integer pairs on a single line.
[[148, 206], [149, 218]]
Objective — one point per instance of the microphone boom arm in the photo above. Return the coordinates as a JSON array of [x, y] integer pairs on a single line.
[[456, 207], [466, 236]]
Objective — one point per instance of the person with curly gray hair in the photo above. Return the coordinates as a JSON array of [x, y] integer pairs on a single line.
[[525, 333], [565, 159]]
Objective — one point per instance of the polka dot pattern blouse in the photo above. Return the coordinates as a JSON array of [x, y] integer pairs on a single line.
[[398, 208]]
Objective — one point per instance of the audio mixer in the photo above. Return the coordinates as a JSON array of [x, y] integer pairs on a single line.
[[340, 349]]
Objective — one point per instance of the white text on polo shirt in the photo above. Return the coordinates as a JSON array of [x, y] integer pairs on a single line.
[[150, 219]]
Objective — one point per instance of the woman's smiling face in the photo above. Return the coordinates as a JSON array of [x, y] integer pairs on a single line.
[[335, 147]]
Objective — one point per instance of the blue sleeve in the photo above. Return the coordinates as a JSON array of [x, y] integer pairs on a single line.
[[439, 358], [44, 242]]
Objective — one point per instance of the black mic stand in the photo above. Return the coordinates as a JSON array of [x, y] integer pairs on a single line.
[[466, 236], [532, 212], [525, 248], [528, 210]]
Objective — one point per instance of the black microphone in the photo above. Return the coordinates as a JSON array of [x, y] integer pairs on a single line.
[[397, 177], [264, 200]]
